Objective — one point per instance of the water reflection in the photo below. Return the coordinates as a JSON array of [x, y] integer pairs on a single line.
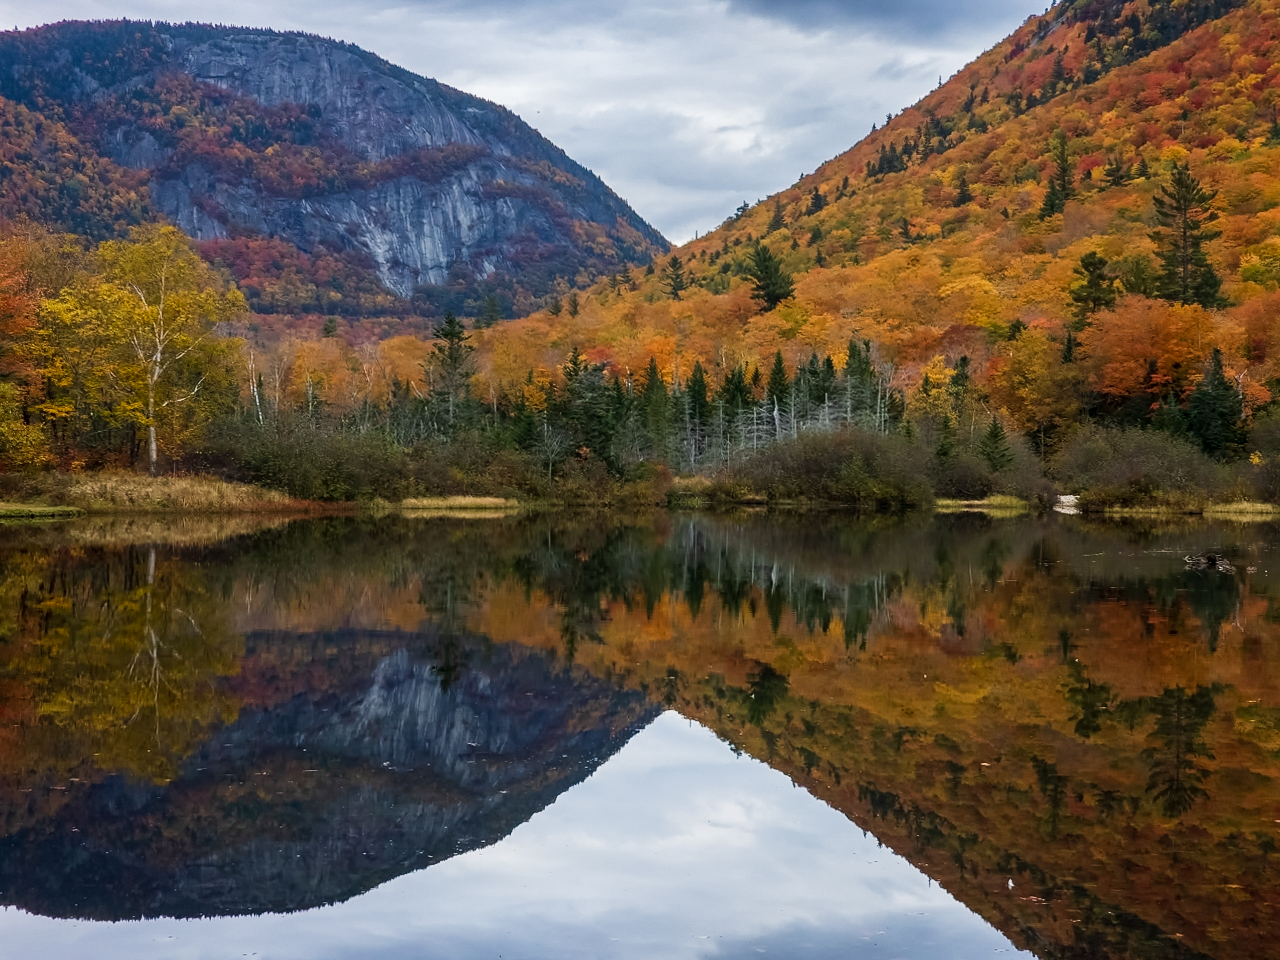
[[1072, 729]]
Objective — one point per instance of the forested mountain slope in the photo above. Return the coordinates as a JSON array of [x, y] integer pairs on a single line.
[[326, 179], [958, 229]]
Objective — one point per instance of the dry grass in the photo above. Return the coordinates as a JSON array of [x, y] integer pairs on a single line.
[[1243, 510], [167, 529], [134, 493], [458, 503], [998, 505]]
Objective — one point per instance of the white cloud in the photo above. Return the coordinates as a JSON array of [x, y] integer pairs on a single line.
[[684, 108]]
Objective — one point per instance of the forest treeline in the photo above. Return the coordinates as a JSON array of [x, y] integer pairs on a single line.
[[145, 358], [1065, 278]]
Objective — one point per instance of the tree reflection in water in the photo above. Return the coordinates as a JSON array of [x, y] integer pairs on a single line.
[[1033, 701]]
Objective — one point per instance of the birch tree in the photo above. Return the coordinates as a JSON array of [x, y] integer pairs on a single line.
[[171, 306]]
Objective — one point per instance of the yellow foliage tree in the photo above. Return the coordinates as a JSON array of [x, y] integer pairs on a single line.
[[173, 301], [137, 342]]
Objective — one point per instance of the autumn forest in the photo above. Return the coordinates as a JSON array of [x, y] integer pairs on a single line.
[[1056, 273]]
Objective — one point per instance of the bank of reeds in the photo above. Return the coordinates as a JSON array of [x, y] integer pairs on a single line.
[[119, 492]]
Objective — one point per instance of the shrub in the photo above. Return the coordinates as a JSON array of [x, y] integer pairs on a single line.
[[868, 470], [1135, 469]]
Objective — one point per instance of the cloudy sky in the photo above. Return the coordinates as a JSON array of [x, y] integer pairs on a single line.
[[685, 107]]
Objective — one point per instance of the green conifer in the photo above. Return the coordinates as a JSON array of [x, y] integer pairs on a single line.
[[1096, 291], [1183, 209], [1215, 412], [771, 284], [777, 221], [994, 447], [779, 386], [1061, 181], [674, 280]]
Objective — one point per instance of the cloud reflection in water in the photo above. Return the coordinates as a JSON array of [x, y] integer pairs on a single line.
[[675, 848]]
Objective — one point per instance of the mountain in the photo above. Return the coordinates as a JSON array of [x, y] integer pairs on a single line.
[[326, 179], [931, 239]]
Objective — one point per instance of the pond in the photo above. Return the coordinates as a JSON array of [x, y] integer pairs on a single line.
[[639, 736]]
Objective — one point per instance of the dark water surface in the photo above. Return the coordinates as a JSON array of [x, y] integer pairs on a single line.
[[668, 736]]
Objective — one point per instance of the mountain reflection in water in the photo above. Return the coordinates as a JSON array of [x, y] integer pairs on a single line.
[[1071, 729]]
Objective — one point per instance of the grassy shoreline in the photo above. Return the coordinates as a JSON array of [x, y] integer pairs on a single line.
[[65, 496]]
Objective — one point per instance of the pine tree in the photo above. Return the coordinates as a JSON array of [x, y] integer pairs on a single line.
[[778, 388], [946, 439], [1140, 170], [673, 278], [655, 411], [492, 312], [1215, 411], [1069, 347], [1183, 209], [1097, 291], [696, 390], [816, 201], [994, 447], [963, 194], [771, 283], [575, 304], [1115, 173], [452, 354], [1062, 181], [777, 221], [734, 392], [330, 327]]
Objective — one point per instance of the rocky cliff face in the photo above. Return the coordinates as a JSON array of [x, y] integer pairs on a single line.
[[330, 148], [331, 791]]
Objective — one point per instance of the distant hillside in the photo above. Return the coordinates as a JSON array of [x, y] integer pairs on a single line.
[[326, 179], [931, 238]]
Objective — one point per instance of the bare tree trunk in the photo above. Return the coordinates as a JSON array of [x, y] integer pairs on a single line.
[[151, 426]]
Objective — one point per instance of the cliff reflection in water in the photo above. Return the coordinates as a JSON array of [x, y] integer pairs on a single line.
[[1072, 729]]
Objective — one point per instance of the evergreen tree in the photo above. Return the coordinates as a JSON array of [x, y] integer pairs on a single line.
[[655, 411], [452, 354], [777, 391], [696, 392], [1115, 173], [1140, 170], [1096, 291], [963, 194], [771, 283], [1214, 415], [776, 222], [1069, 347], [674, 280], [1137, 275], [816, 201], [946, 438], [574, 304], [734, 392], [1062, 180], [994, 447], [330, 328], [554, 306], [492, 312], [1182, 208]]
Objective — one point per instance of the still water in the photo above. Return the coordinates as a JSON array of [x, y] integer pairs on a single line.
[[663, 736]]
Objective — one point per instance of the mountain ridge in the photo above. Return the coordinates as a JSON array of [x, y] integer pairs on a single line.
[[249, 134]]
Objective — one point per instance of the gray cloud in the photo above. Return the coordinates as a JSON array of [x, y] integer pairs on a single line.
[[684, 108], [908, 18]]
